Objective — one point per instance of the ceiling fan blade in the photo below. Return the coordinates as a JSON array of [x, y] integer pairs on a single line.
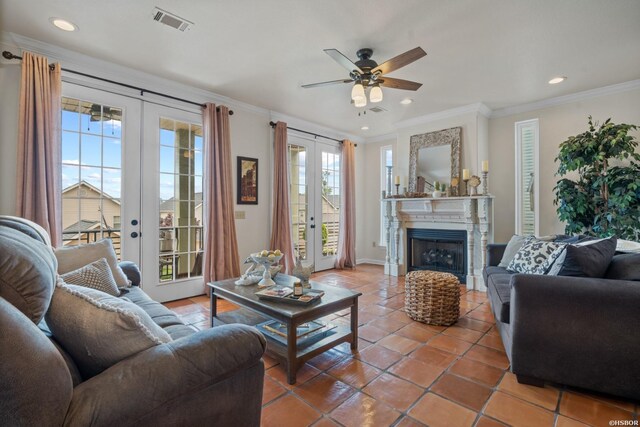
[[343, 60], [399, 83], [400, 61], [332, 82]]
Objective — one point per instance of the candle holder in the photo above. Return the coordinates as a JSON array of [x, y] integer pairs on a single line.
[[466, 186], [485, 183], [397, 189]]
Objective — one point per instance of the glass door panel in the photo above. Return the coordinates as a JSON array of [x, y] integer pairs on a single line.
[[173, 211], [300, 200], [100, 150], [328, 201]]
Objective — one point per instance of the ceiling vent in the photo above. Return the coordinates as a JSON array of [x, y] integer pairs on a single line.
[[174, 21], [377, 109]]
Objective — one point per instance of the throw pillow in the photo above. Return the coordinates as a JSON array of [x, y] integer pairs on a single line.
[[535, 257], [589, 259], [514, 245], [96, 275], [99, 330], [73, 257]]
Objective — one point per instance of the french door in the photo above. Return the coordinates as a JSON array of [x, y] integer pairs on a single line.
[[132, 171], [314, 169]]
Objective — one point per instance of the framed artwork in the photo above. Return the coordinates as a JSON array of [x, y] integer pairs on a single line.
[[247, 181]]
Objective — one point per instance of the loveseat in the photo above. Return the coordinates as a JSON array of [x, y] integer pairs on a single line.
[[210, 377], [576, 331]]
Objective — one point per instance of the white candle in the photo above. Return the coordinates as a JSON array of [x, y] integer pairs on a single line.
[[397, 180], [465, 174], [485, 166]]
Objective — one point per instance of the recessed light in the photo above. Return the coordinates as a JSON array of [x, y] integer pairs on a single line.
[[365, 128], [556, 80], [406, 101], [63, 24]]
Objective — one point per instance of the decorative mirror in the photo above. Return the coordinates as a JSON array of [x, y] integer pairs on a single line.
[[434, 156]]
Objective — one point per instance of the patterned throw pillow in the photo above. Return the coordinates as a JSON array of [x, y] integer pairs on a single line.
[[536, 257], [96, 275]]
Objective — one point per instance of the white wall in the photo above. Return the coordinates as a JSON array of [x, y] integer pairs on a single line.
[[10, 89], [556, 124]]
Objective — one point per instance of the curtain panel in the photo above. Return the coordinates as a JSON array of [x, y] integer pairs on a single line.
[[221, 244], [281, 222], [346, 256], [39, 191]]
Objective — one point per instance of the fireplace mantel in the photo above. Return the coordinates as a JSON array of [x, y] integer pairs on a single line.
[[473, 214]]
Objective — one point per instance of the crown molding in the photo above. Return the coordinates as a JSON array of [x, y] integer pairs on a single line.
[[477, 108], [566, 99]]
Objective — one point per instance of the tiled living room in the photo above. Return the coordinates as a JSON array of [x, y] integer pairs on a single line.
[[292, 213]]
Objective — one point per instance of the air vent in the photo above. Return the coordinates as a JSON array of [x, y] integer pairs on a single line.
[[377, 109], [174, 21]]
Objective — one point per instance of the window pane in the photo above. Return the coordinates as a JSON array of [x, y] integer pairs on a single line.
[[91, 192]]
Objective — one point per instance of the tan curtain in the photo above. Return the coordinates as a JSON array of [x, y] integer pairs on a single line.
[[39, 190], [220, 244], [347, 237], [281, 222]]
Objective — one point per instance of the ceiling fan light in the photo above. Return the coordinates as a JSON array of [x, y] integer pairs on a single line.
[[360, 102], [358, 92], [376, 94]]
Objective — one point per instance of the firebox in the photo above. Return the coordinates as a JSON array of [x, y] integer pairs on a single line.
[[438, 250]]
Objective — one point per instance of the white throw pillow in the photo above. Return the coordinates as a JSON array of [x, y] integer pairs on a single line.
[[96, 275], [536, 257], [99, 330], [73, 257]]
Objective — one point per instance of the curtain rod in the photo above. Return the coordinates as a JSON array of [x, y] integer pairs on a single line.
[[9, 55], [273, 124]]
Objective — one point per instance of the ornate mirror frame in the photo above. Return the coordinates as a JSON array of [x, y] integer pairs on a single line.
[[434, 139]]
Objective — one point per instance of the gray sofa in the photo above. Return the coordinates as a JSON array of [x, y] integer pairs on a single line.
[[211, 377], [576, 331]]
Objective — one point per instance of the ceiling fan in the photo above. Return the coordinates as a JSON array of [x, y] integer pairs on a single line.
[[367, 73]]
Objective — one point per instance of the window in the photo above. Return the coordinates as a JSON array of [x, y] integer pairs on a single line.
[[91, 172], [527, 177], [386, 163], [299, 198], [180, 204]]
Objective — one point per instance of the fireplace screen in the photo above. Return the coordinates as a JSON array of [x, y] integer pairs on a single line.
[[438, 250]]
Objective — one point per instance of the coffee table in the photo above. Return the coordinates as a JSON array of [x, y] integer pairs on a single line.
[[335, 299]]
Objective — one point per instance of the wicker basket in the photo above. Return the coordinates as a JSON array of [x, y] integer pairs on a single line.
[[432, 297]]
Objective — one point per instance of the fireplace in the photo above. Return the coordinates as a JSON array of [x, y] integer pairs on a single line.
[[437, 250]]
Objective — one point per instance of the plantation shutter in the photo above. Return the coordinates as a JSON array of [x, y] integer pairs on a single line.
[[526, 188]]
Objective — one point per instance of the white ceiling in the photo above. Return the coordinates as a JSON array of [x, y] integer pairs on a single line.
[[499, 52]]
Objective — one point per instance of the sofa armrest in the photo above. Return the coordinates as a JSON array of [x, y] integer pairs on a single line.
[[495, 251], [577, 331], [132, 272], [165, 379]]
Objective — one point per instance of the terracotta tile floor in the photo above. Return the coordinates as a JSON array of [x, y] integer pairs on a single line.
[[408, 374]]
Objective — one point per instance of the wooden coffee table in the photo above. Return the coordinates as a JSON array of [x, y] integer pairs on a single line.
[[335, 299]]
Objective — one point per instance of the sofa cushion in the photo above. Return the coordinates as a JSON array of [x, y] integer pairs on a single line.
[[96, 275], [499, 293], [624, 267], [99, 330], [27, 272], [73, 257], [514, 245], [536, 257], [160, 314], [588, 259]]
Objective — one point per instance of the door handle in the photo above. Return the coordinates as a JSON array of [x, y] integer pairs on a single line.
[[134, 222], [312, 226], [134, 234]]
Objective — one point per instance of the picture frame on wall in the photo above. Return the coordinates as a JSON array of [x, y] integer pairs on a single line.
[[247, 181]]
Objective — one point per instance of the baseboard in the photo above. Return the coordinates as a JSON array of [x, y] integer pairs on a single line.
[[369, 261]]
